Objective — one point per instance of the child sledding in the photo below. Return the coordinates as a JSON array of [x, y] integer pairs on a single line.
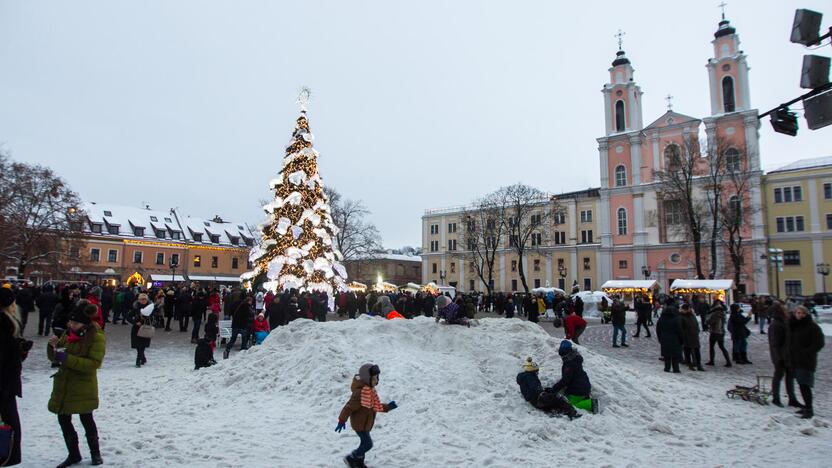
[[450, 311]]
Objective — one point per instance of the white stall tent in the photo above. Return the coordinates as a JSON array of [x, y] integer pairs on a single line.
[[719, 288], [592, 302]]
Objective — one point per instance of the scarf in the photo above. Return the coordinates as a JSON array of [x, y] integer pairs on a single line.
[[72, 337], [369, 399]]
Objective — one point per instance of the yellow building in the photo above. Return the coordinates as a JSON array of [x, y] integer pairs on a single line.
[[565, 252], [798, 205]]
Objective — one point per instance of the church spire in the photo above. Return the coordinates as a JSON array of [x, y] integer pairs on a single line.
[[725, 27], [622, 97]]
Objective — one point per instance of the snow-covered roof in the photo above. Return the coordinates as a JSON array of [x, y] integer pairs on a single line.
[[629, 284], [389, 256], [715, 285], [671, 118], [226, 231], [808, 163]]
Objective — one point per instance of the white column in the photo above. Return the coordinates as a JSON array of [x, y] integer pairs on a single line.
[[817, 257], [714, 88], [744, 87], [752, 139], [607, 110], [462, 285], [425, 262], [656, 154], [549, 270], [635, 159], [756, 202], [814, 218], [604, 219], [603, 157], [760, 274], [638, 214], [573, 267], [571, 213], [501, 286]]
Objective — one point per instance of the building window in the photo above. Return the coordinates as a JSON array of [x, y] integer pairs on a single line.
[[536, 264], [828, 221], [96, 228], [619, 116], [735, 209], [451, 228], [537, 239], [587, 284], [827, 191], [197, 236], [154, 219], [728, 94], [434, 268], [586, 216], [672, 212], [794, 287], [160, 258], [215, 262], [561, 283], [138, 231], [537, 282], [197, 260], [137, 257], [672, 158], [622, 264], [452, 244], [95, 255], [112, 229], [587, 265], [559, 217], [108, 213], [434, 246], [512, 240], [174, 259], [732, 160], [470, 285], [215, 238], [536, 218], [514, 265], [434, 229], [112, 255], [235, 263], [620, 176], [472, 244], [791, 257], [790, 224], [168, 220], [514, 285], [586, 236], [176, 235], [797, 193], [560, 238], [622, 222]]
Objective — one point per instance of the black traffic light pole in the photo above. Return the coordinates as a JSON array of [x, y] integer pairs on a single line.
[[811, 93]]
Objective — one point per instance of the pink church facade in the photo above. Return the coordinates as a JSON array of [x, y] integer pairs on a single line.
[[637, 228]]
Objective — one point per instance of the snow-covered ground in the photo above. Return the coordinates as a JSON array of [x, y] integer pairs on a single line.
[[459, 405]]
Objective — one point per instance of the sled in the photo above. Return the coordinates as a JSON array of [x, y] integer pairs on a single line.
[[758, 393]]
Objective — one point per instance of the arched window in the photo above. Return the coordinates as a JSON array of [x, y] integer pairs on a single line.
[[735, 210], [622, 222], [672, 158], [619, 116], [732, 160], [728, 94], [620, 176]]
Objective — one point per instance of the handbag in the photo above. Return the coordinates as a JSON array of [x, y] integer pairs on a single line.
[[6, 442], [146, 331]]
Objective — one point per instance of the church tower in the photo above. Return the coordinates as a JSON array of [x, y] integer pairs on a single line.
[[728, 72], [622, 97]]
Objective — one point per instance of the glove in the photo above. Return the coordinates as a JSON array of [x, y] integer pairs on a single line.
[[392, 405], [341, 426], [60, 357]]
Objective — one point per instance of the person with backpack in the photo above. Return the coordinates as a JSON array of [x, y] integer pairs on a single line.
[[574, 326], [716, 331], [805, 339], [739, 334], [361, 410]]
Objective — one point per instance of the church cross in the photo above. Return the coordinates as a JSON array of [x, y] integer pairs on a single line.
[[620, 34], [722, 6], [669, 100]]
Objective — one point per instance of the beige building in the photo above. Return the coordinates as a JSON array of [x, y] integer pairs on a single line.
[[565, 252], [390, 267], [798, 201]]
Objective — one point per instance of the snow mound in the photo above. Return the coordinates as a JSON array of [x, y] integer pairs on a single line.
[[459, 405]]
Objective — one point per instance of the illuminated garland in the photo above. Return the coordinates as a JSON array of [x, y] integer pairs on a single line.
[[296, 250], [185, 246]]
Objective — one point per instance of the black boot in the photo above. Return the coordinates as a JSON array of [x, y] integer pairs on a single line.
[[745, 360], [95, 451], [71, 440]]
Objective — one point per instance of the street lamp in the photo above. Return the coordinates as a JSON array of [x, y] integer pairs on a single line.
[[775, 257], [562, 274], [442, 277], [645, 270], [823, 269], [173, 265]]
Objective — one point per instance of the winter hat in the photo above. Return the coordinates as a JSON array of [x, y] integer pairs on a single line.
[[6, 297], [442, 301], [367, 371], [565, 347], [96, 292], [735, 308], [530, 366], [79, 314], [261, 316]]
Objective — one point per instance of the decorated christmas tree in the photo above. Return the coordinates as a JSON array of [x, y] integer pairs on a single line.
[[296, 250]]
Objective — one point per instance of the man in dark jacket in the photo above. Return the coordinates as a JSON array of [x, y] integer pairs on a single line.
[[184, 302], [643, 309], [25, 304], [669, 334], [46, 302], [574, 382], [545, 400], [241, 322], [805, 339], [716, 329], [619, 318], [690, 328], [579, 306], [779, 351], [428, 303]]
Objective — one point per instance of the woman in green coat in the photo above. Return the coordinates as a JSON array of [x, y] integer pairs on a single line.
[[79, 352]]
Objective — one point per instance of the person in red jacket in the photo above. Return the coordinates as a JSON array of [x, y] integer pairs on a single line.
[[261, 328], [94, 298], [574, 326]]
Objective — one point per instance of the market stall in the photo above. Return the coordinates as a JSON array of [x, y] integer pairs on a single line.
[[385, 287], [629, 289], [592, 301], [714, 289], [412, 288], [355, 286]]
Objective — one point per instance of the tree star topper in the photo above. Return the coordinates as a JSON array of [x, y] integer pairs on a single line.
[[304, 96]]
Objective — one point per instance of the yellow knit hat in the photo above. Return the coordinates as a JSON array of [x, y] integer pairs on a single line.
[[530, 365]]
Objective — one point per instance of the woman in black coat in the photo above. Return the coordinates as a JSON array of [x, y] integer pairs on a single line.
[[138, 319], [805, 339], [669, 333], [690, 327], [13, 351], [739, 334], [778, 348]]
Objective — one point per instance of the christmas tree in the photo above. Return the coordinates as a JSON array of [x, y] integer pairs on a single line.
[[296, 249]]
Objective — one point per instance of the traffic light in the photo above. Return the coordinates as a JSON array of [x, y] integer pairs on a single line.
[[784, 121]]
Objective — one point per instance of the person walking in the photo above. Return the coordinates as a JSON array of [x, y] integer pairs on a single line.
[[669, 333], [242, 319], [13, 351], [643, 309], [141, 313], [574, 326], [198, 308], [778, 349], [805, 340], [739, 334], [619, 319], [361, 410], [168, 304], [690, 328], [46, 302], [25, 299], [716, 332], [184, 306], [80, 352]]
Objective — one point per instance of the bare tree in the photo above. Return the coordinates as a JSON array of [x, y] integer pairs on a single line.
[[525, 218], [677, 184], [40, 217], [737, 212], [483, 233], [357, 237]]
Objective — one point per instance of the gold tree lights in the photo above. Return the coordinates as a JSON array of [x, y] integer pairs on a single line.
[[296, 249]]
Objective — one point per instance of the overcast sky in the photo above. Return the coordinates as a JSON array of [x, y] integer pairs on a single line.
[[416, 105]]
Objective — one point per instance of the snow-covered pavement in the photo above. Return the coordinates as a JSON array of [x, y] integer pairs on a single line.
[[459, 405]]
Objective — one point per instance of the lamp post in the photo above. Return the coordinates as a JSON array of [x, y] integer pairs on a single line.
[[775, 257], [173, 266], [562, 274], [442, 277], [823, 270], [645, 270]]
